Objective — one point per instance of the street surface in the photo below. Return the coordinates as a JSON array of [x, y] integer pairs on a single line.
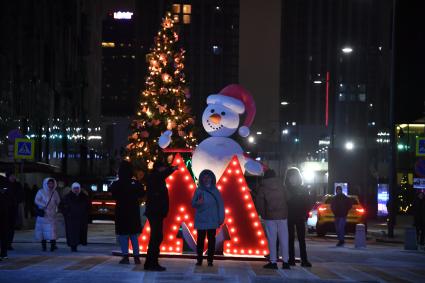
[[94, 263]]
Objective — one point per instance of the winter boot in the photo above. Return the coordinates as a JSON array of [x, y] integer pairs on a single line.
[[199, 260], [305, 263], [285, 265], [124, 260], [53, 246], [270, 265], [137, 259]]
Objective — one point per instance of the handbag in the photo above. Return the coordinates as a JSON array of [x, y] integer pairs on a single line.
[[40, 211]]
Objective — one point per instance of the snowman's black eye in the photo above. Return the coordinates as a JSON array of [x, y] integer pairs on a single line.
[[223, 113], [212, 110]]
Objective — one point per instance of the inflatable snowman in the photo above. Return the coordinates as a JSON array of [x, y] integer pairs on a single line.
[[221, 119]]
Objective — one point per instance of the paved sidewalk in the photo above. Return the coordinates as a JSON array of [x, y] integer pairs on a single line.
[[379, 262], [94, 263]]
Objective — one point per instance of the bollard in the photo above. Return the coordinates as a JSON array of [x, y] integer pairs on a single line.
[[360, 236], [410, 241]]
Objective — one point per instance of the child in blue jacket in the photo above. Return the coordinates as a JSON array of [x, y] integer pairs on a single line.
[[209, 214]]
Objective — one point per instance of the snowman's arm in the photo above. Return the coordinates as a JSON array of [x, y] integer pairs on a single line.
[[165, 139], [253, 167]]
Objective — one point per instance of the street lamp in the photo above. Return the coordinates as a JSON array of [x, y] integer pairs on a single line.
[[349, 145], [251, 139], [308, 176], [284, 103], [347, 50]]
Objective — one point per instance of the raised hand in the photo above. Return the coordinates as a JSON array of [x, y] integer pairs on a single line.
[[253, 167], [165, 139]]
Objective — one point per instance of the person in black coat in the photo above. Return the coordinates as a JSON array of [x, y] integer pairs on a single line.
[[75, 208], [419, 216], [127, 192], [340, 205], [156, 210], [17, 196], [5, 199], [298, 207]]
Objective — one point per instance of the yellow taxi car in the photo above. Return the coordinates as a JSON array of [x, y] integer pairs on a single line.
[[321, 218]]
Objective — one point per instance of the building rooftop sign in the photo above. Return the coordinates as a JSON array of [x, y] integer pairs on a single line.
[[123, 15]]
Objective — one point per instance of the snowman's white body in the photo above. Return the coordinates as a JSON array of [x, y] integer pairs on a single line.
[[215, 153], [220, 120]]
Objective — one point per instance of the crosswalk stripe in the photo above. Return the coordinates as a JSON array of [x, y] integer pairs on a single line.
[[23, 263], [323, 272], [260, 271], [87, 263], [206, 269], [380, 274], [419, 272]]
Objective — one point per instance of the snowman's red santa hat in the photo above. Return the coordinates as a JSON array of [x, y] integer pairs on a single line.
[[239, 100]]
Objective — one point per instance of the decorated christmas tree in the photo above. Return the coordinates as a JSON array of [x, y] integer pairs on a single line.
[[163, 102]]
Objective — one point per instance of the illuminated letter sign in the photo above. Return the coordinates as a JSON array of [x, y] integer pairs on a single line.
[[123, 15], [242, 232]]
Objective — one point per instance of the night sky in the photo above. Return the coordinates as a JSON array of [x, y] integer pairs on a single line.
[[410, 61]]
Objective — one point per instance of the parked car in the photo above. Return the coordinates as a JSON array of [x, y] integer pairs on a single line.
[[321, 218], [102, 207], [102, 204]]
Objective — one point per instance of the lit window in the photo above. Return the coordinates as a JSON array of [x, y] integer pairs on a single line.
[[182, 13], [186, 19], [176, 8], [187, 9], [108, 44]]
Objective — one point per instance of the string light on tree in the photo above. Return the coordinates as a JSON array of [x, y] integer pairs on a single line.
[[163, 102]]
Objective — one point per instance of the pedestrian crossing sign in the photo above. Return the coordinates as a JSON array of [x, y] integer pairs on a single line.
[[24, 148], [420, 147]]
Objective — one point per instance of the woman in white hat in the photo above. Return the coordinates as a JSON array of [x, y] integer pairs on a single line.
[[75, 211]]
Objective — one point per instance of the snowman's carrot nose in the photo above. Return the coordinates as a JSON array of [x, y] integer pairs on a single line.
[[215, 118]]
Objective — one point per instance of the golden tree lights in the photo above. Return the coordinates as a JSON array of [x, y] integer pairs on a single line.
[[405, 195], [163, 102], [246, 234]]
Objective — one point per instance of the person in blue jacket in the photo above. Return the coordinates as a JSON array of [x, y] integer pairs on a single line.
[[209, 214]]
